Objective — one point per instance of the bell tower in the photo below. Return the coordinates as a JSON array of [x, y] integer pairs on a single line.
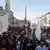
[[7, 5]]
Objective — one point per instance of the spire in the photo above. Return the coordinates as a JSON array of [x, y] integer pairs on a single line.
[[7, 5], [25, 16]]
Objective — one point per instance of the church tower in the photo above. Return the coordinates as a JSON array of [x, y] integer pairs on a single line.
[[7, 5]]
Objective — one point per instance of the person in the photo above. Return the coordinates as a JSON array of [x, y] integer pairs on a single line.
[[43, 36], [25, 42], [34, 39], [38, 47], [29, 45], [42, 46], [22, 42], [48, 43], [18, 43]]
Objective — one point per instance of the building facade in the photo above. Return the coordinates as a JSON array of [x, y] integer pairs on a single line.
[[45, 19], [6, 16]]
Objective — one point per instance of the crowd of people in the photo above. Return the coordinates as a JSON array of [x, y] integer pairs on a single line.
[[15, 41], [11, 40], [44, 43]]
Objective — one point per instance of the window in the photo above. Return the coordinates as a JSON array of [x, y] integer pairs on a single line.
[[49, 21], [45, 20]]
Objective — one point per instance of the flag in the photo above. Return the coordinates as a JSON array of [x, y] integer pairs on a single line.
[[38, 30]]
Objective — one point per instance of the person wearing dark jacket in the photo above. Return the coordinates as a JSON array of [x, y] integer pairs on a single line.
[[25, 42], [34, 40]]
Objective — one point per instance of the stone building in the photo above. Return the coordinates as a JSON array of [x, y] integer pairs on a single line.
[[6, 16], [45, 20]]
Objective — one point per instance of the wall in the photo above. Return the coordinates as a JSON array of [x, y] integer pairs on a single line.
[[4, 20]]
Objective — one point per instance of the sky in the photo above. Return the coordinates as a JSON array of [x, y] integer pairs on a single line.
[[35, 8]]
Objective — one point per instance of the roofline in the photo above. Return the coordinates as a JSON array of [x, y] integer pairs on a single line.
[[43, 15]]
